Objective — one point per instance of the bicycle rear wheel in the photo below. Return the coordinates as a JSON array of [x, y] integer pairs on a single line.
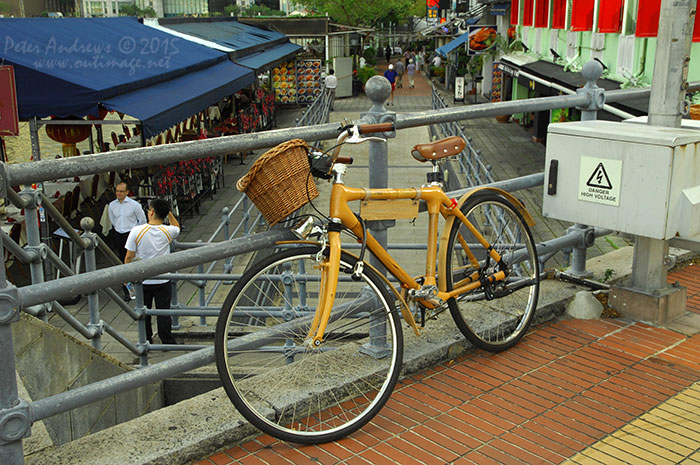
[[280, 382], [497, 317]]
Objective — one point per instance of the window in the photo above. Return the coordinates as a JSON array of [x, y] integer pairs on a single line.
[[610, 15], [648, 18], [582, 15], [542, 13], [558, 14]]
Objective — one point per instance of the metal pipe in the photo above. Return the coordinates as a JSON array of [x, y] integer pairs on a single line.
[[87, 333], [24, 256], [58, 263], [142, 269], [121, 339], [94, 392], [62, 222]]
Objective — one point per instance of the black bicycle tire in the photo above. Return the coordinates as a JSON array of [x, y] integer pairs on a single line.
[[462, 324], [254, 417]]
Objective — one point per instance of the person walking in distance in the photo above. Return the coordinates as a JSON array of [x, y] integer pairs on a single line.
[[411, 71], [331, 84], [151, 240], [387, 53], [399, 67], [390, 75], [124, 213]]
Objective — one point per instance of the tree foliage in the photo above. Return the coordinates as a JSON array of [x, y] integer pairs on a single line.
[[131, 9], [366, 12]]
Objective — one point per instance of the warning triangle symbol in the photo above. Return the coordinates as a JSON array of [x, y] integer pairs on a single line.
[[599, 178]]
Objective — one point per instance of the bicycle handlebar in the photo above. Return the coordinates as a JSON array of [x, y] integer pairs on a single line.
[[371, 128]]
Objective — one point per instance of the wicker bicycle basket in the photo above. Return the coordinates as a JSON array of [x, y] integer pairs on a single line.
[[279, 183]]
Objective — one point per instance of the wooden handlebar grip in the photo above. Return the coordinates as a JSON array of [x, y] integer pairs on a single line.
[[370, 128], [344, 160]]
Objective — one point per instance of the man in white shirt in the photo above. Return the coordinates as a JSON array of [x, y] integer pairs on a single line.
[[331, 84], [124, 214], [151, 240], [437, 61]]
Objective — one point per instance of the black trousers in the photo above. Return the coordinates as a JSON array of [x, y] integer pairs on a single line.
[[161, 294], [120, 244]]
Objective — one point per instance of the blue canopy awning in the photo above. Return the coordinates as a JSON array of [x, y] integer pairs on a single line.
[[160, 106], [448, 47], [269, 58], [250, 46], [66, 67]]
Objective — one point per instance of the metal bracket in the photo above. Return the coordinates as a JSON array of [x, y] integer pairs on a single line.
[[99, 328], [9, 305], [597, 98], [586, 235], [15, 423], [38, 252]]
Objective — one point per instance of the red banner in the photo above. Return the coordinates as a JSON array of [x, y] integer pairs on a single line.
[[610, 15], [514, 10], [527, 12], [542, 13], [696, 29], [648, 18], [582, 15], [9, 122], [558, 14]]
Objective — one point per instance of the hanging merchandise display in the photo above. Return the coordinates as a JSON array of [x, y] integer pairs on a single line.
[[284, 83], [308, 80], [297, 82]]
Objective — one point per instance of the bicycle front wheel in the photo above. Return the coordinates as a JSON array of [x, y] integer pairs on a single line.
[[496, 317], [272, 373]]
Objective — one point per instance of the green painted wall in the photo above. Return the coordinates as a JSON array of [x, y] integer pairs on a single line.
[[643, 69]]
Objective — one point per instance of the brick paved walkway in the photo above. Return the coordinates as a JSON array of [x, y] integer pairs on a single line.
[[573, 391]]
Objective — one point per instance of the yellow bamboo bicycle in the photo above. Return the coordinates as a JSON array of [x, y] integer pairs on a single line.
[[309, 343]]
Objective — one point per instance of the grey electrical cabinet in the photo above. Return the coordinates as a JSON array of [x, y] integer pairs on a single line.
[[632, 178]]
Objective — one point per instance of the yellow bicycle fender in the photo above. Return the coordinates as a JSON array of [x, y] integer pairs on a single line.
[[442, 251], [516, 203]]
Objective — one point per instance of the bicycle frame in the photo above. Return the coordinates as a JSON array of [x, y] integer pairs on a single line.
[[438, 203]]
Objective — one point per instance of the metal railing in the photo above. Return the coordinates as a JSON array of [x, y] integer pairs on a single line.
[[318, 112], [470, 161], [16, 416]]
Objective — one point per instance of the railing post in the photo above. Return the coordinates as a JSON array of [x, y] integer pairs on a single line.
[[378, 90], [202, 296], [591, 73], [141, 324], [226, 221], [15, 422], [93, 300], [32, 226]]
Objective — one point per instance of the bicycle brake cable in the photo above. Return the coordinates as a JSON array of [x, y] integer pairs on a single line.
[[359, 265]]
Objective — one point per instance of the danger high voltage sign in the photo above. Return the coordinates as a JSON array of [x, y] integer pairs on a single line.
[[599, 180]]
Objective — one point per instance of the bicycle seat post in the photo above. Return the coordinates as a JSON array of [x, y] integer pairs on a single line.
[[435, 177]]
